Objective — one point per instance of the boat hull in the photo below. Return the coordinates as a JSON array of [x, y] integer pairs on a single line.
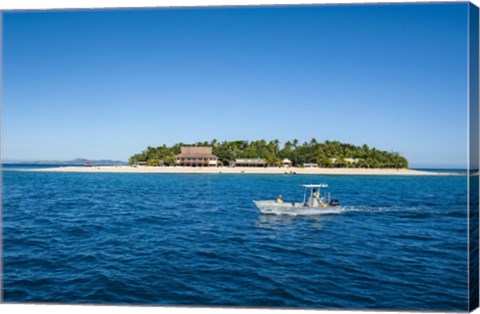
[[274, 208]]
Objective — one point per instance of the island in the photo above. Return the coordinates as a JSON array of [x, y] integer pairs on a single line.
[[261, 157], [260, 153]]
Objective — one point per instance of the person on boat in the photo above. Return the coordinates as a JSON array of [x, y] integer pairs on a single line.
[[315, 199], [280, 199]]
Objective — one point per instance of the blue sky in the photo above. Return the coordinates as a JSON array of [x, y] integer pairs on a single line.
[[107, 84]]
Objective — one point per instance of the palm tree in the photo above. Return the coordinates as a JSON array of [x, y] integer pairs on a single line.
[[295, 143]]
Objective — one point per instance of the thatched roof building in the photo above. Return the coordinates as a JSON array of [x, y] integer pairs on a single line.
[[286, 162], [197, 156], [196, 152]]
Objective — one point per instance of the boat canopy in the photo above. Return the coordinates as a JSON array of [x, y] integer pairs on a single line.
[[310, 186]]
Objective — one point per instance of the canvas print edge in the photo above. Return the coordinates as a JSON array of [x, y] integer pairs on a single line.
[[473, 155]]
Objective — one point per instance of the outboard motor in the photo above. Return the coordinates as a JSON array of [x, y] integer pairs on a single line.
[[334, 202]]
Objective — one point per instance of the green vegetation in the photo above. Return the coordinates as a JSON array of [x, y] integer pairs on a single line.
[[327, 154]]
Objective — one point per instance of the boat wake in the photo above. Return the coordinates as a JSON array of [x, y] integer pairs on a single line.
[[337, 210]]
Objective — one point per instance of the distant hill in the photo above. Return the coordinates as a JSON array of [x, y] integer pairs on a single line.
[[76, 161]]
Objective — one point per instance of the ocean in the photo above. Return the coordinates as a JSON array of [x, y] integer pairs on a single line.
[[396, 242]]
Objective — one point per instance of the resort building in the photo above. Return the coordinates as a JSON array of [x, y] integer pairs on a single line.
[[347, 160], [250, 162], [352, 160], [200, 156], [154, 163], [310, 165], [287, 163]]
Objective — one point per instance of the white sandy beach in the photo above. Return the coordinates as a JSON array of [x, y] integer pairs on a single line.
[[245, 170]]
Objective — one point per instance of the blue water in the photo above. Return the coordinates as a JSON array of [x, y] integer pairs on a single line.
[[170, 239]]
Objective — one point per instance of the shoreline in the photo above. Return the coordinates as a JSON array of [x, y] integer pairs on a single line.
[[247, 170]]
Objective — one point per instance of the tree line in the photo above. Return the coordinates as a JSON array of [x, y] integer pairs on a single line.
[[332, 154]]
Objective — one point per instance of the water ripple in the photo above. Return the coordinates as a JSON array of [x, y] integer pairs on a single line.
[[396, 243]]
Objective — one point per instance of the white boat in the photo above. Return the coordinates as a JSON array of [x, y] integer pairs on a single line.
[[313, 202]]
